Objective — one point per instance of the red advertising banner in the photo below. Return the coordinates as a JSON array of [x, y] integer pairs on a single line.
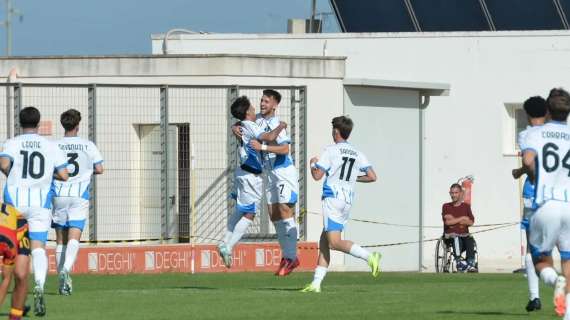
[[183, 258]]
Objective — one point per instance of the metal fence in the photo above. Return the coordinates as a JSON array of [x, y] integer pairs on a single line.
[[169, 154]]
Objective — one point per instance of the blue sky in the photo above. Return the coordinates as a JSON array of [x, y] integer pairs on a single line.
[[81, 27]]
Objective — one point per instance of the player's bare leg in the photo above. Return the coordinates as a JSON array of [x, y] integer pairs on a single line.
[[20, 272]]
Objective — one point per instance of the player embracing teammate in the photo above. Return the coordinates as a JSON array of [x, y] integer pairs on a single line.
[[271, 152]]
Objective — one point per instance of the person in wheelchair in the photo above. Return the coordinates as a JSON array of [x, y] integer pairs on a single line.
[[457, 217]]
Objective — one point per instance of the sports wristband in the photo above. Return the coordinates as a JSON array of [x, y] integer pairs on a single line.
[[263, 147]]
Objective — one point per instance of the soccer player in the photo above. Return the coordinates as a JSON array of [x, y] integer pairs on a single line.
[[341, 163], [71, 202], [535, 108], [248, 180], [15, 250], [31, 162], [546, 154], [282, 183]]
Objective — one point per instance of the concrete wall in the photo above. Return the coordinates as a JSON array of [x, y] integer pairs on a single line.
[[469, 132]]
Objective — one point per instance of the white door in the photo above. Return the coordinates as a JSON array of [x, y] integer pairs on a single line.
[[150, 177]]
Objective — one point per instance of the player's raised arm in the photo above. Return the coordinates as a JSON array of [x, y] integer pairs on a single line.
[[317, 171], [273, 134]]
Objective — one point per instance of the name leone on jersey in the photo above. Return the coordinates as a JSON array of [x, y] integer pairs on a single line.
[[31, 145]]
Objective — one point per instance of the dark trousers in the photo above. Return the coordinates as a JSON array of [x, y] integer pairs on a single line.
[[460, 244]]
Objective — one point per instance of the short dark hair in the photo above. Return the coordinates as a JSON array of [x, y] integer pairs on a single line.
[[558, 104], [344, 126], [70, 119], [239, 107], [456, 186], [29, 117], [535, 107], [272, 93]]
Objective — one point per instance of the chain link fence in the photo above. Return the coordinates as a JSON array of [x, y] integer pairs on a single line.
[[169, 154]]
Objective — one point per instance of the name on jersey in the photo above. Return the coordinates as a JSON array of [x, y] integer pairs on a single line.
[[555, 135], [72, 147], [348, 152], [31, 145]]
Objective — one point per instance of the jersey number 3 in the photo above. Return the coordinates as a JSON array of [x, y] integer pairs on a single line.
[[28, 167], [72, 160]]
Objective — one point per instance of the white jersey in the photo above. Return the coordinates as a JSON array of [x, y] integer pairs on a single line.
[[342, 163], [34, 161], [250, 159], [274, 161], [82, 155], [551, 143]]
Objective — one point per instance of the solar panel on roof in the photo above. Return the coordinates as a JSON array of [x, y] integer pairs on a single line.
[[524, 14], [450, 15], [373, 16]]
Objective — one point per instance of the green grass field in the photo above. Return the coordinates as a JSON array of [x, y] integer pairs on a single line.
[[264, 296]]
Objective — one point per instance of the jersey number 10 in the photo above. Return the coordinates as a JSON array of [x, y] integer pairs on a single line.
[[29, 164]]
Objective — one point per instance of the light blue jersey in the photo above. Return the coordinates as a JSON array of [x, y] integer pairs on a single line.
[[250, 159], [274, 161]]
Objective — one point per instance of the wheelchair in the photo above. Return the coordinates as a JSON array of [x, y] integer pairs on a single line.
[[445, 259]]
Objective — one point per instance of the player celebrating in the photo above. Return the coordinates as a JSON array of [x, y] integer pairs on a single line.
[[546, 154], [282, 184], [71, 202], [248, 180], [341, 163], [31, 162], [15, 250], [535, 108]]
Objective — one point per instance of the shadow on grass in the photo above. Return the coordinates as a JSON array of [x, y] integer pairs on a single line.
[[483, 313], [191, 288], [277, 289]]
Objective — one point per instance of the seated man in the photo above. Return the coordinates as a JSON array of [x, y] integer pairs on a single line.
[[457, 218]]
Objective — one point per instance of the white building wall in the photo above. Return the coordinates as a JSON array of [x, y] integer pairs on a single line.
[[465, 133]]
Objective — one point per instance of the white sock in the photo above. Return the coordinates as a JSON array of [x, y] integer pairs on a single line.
[[531, 277], [40, 266], [59, 256], [232, 221], [280, 230], [320, 273], [70, 254], [549, 275], [359, 252], [290, 239], [239, 231]]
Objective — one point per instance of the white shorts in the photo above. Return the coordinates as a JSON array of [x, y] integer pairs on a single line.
[[335, 214], [70, 212], [282, 185], [247, 192], [39, 222], [550, 227]]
